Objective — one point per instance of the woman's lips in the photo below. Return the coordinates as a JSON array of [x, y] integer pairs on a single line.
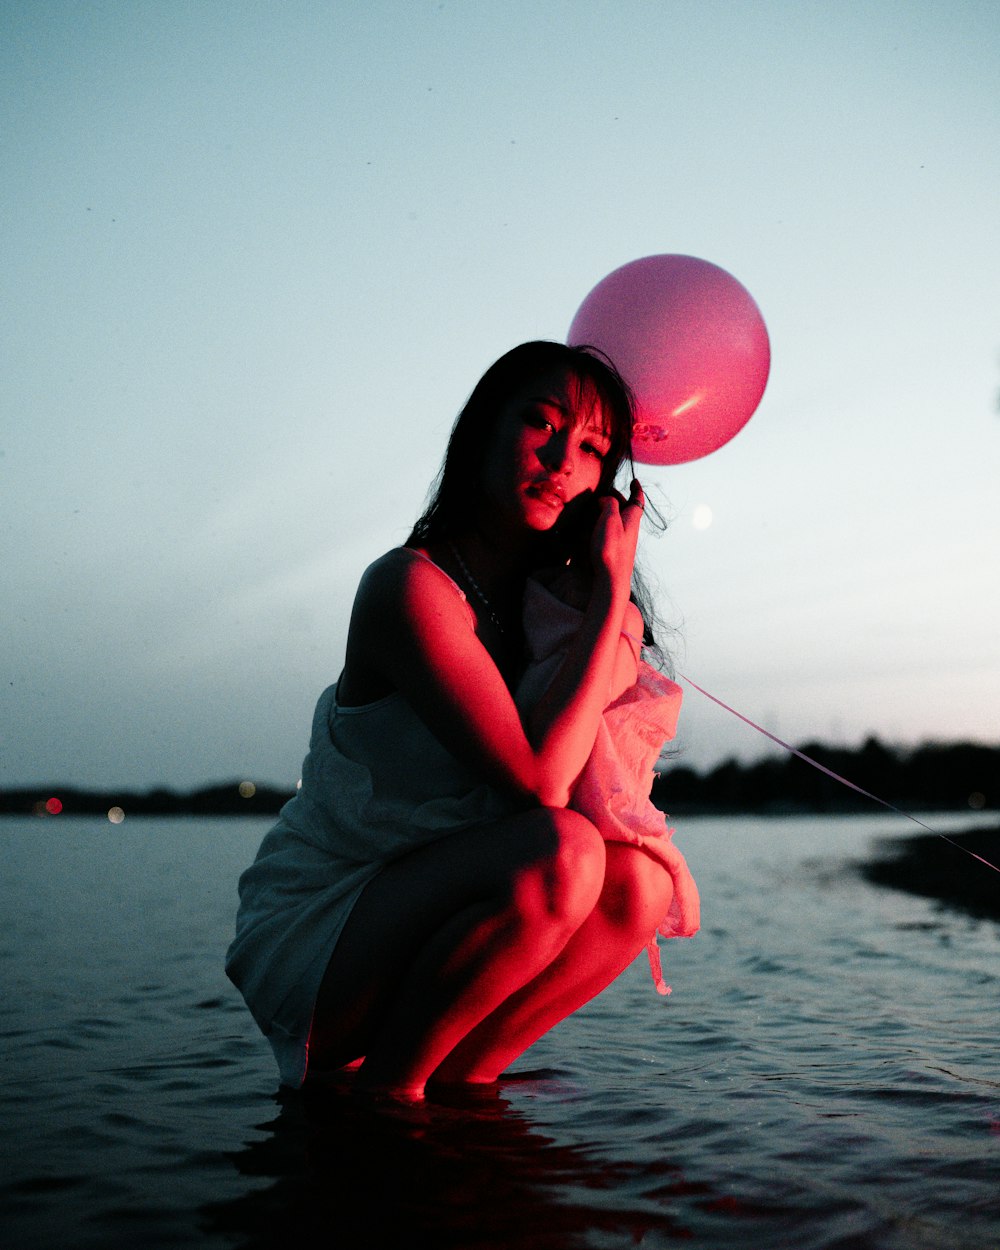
[[547, 492]]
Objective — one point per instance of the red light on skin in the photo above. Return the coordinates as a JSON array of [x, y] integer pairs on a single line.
[[53, 806]]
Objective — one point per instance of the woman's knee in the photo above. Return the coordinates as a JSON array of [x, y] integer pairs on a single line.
[[637, 892], [563, 882]]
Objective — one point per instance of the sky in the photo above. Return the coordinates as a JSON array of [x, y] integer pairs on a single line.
[[257, 255]]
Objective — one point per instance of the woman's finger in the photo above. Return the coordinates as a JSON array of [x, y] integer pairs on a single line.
[[632, 512]]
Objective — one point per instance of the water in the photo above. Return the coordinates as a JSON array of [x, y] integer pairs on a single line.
[[824, 1076]]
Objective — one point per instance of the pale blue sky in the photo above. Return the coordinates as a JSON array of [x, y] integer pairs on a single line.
[[256, 255]]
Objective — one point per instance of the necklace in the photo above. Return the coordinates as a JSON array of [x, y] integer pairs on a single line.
[[477, 588]]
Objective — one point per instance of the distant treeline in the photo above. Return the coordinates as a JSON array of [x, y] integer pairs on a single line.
[[944, 777], [951, 777], [231, 798]]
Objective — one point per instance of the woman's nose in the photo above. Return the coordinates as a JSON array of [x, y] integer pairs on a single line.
[[555, 454]]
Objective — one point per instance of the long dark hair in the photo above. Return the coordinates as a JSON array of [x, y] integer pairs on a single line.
[[455, 493]]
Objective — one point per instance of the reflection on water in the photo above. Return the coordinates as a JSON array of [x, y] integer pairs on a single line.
[[471, 1171]]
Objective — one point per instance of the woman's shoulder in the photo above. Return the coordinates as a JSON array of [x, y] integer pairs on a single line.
[[404, 573], [390, 567], [402, 597]]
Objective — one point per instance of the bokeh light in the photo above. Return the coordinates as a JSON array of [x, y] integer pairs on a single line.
[[116, 815], [247, 789], [701, 518], [53, 806]]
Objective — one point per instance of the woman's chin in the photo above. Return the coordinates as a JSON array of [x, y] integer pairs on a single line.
[[543, 518]]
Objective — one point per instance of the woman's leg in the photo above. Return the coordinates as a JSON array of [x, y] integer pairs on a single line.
[[635, 899], [448, 932]]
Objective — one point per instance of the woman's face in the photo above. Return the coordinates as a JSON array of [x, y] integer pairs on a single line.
[[548, 448]]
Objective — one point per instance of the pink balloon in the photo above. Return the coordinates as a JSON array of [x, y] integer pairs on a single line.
[[692, 344]]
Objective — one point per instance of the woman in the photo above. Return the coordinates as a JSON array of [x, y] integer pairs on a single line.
[[430, 902]]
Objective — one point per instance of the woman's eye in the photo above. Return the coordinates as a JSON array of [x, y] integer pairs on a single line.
[[538, 420], [592, 450]]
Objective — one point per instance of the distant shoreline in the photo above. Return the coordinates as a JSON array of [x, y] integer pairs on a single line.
[[952, 776], [230, 798], [934, 777], [934, 868]]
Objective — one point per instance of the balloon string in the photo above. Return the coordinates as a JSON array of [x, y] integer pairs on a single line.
[[830, 773]]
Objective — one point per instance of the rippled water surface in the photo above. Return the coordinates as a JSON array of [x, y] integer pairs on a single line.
[[825, 1074]]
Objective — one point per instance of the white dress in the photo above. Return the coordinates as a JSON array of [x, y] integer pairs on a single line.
[[376, 784]]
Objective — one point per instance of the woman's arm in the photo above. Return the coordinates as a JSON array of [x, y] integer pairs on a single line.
[[410, 626], [567, 714]]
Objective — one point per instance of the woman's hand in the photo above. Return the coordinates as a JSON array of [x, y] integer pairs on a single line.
[[615, 537]]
